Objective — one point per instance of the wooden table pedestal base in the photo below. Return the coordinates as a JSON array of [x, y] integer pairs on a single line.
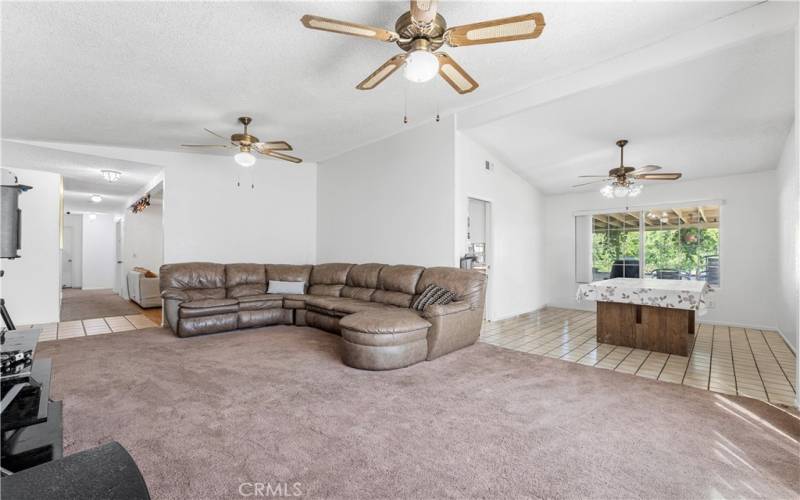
[[657, 329]]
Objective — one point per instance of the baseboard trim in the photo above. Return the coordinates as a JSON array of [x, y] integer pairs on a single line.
[[786, 341]]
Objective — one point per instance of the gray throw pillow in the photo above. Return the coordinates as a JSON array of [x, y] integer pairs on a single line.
[[433, 294], [287, 287]]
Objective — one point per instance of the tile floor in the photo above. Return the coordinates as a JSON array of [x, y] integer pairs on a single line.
[[96, 326], [730, 360]]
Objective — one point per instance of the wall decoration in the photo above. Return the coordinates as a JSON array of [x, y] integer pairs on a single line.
[[141, 204]]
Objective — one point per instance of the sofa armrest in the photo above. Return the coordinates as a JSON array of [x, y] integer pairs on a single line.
[[175, 294], [435, 310]]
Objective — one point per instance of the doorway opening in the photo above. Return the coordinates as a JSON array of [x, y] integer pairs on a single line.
[[478, 245]]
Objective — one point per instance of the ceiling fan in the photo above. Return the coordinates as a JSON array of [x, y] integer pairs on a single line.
[[421, 31], [247, 143], [622, 181]]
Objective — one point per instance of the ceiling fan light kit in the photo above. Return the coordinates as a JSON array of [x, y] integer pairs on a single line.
[[421, 64], [421, 31], [623, 182]]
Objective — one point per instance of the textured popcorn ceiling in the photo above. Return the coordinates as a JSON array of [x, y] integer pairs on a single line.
[[152, 75]]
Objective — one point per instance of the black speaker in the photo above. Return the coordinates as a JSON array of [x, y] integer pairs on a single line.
[[10, 215]]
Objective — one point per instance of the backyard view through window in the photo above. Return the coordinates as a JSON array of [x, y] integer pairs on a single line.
[[674, 243]]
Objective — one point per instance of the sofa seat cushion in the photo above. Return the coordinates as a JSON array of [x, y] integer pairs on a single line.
[[260, 302], [324, 304], [208, 307], [384, 321], [341, 306]]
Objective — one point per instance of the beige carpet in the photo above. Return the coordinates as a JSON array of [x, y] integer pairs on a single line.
[[88, 304], [203, 415]]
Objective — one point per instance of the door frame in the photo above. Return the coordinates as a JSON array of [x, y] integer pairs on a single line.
[[489, 250]]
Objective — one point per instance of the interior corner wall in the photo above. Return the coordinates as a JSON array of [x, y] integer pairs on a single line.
[[142, 242], [516, 240], [31, 285], [99, 252], [788, 186], [208, 217], [748, 242], [391, 201]]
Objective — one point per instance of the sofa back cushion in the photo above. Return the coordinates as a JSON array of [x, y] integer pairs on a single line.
[[468, 285], [200, 280], [362, 280], [243, 280], [289, 272], [397, 285], [328, 279]]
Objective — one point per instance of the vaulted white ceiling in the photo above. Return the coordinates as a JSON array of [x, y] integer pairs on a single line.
[[727, 112], [153, 74]]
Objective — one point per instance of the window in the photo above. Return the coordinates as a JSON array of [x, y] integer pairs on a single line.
[[682, 243], [661, 243]]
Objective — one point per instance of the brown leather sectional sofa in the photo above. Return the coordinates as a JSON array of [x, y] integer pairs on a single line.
[[368, 304]]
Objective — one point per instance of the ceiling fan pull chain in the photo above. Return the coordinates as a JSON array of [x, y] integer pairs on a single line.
[[252, 183], [405, 103]]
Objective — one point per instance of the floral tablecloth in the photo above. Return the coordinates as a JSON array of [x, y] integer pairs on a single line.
[[677, 294]]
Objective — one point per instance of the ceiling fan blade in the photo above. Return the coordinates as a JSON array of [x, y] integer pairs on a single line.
[[216, 134], [272, 146], [423, 11], [348, 28], [282, 156], [509, 29], [603, 176], [382, 73], [645, 169], [588, 183], [662, 176], [455, 74], [205, 146]]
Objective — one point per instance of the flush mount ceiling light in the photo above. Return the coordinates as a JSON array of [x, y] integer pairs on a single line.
[[111, 175], [247, 143], [96, 198], [622, 182], [421, 31]]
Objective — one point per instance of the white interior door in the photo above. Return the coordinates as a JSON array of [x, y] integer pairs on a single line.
[[118, 256], [66, 259]]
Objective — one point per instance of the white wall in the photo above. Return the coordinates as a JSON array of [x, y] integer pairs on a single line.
[[142, 242], [788, 272], [207, 217], [516, 278], [75, 221], [31, 285], [391, 201], [748, 242], [99, 252]]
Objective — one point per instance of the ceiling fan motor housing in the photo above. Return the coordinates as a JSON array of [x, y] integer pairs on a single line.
[[410, 31]]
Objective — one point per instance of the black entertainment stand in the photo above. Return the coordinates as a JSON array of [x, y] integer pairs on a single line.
[[31, 432]]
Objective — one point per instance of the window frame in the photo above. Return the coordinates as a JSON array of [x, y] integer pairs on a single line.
[[641, 209]]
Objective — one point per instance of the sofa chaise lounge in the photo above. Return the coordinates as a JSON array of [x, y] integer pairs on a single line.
[[369, 305]]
